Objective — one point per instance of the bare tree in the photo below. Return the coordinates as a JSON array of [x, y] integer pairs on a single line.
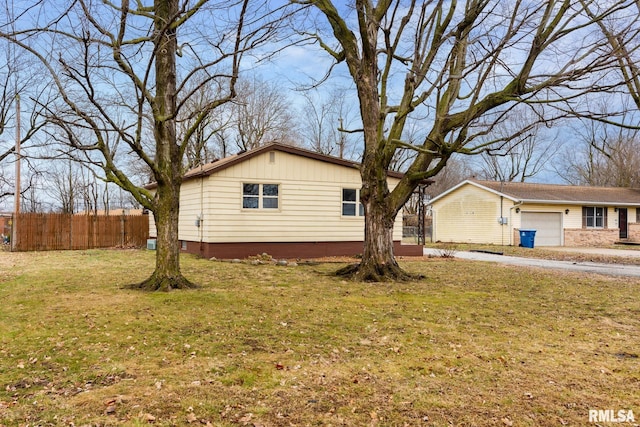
[[7, 99], [65, 187], [456, 171], [464, 67], [602, 155], [124, 73], [612, 157], [452, 174], [31, 197], [6, 183], [262, 114], [202, 146], [624, 45], [324, 117], [17, 77], [516, 154]]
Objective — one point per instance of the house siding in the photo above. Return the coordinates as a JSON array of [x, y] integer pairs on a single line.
[[470, 215], [469, 212], [309, 205]]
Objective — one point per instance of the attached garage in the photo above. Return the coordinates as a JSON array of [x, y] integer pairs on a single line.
[[493, 212], [548, 226]]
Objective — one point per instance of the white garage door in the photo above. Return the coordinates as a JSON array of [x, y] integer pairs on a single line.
[[548, 226]]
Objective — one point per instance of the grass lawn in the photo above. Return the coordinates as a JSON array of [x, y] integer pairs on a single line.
[[471, 344]]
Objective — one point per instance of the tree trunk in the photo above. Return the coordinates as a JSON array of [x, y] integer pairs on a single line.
[[378, 262], [169, 156], [167, 275]]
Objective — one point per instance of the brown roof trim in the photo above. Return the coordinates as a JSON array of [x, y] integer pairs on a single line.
[[219, 165]]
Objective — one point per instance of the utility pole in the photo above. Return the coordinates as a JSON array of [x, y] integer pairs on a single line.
[[16, 206]]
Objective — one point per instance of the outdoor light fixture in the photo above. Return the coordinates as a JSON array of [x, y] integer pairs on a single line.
[[566, 211], [517, 210]]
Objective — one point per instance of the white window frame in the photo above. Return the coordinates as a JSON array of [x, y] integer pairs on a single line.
[[358, 207], [261, 197], [594, 217]]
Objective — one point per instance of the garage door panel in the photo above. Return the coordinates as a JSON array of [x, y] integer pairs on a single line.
[[548, 226]]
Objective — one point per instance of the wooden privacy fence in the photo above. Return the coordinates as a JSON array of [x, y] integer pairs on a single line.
[[50, 232]]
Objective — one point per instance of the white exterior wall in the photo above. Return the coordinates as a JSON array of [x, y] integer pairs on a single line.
[[310, 203], [572, 220], [153, 232], [470, 215]]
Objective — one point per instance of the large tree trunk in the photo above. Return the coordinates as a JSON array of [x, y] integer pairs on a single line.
[[167, 274], [169, 156], [378, 262]]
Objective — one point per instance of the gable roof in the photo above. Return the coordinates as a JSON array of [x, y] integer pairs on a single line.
[[221, 164], [526, 192]]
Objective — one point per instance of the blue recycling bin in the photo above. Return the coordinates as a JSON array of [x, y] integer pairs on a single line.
[[527, 238]]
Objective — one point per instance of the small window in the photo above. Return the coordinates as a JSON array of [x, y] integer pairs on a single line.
[[594, 217], [260, 196], [250, 196], [351, 205], [270, 196]]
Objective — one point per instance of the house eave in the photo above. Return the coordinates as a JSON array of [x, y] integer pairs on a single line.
[[214, 167], [579, 203], [475, 184]]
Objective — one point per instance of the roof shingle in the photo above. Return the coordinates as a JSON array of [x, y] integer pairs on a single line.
[[553, 193]]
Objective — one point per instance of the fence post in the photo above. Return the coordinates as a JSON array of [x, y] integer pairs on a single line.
[[123, 232], [12, 234]]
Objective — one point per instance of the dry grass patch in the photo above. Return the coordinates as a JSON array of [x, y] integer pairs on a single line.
[[472, 344]]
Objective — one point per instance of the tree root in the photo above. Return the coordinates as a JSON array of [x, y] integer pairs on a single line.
[[371, 272], [163, 283]]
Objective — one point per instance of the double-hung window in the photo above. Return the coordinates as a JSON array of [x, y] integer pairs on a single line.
[[260, 196], [351, 205], [594, 217]]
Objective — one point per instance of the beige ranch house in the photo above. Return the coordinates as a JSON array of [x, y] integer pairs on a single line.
[[277, 199], [490, 212]]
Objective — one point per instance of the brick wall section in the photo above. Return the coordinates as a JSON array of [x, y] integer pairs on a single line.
[[634, 232], [590, 237]]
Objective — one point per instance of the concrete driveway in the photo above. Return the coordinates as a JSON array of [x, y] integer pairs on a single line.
[[583, 267]]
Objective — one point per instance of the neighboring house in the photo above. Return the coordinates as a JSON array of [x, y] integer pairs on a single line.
[[277, 199], [493, 212]]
